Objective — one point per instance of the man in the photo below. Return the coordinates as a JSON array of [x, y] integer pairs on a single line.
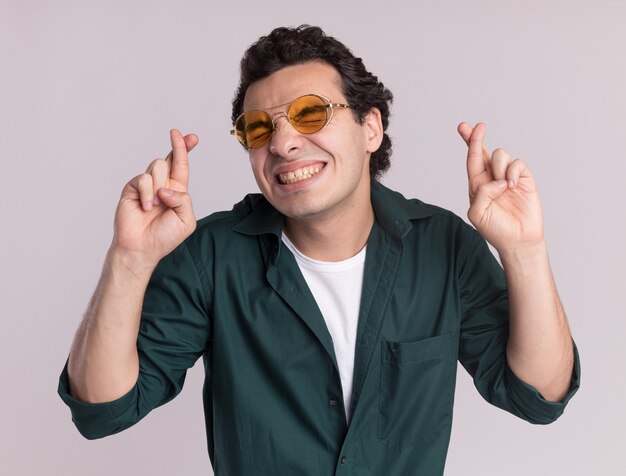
[[330, 311]]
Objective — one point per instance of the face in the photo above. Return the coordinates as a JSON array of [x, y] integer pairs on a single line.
[[312, 176]]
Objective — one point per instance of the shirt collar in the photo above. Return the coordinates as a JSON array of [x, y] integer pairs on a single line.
[[262, 218], [393, 212]]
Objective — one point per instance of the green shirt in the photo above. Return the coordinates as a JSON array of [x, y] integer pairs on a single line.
[[232, 293]]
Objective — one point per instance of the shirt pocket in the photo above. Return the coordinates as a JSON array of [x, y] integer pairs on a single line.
[[416, 391]]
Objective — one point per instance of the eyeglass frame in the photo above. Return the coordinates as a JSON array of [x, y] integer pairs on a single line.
[[328, 104]]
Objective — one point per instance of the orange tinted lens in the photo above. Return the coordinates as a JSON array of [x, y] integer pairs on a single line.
[[254, 129], [308, 114]]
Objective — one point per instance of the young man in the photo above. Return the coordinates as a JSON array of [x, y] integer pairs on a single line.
[[330, 311]]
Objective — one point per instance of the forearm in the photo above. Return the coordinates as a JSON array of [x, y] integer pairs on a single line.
[[539, 350], [103, 363]]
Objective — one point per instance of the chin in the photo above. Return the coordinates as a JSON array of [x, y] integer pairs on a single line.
[[300, 211]]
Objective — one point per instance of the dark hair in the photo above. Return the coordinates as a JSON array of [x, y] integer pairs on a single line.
[[289, 46]]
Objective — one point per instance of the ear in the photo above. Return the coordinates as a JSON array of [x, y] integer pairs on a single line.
[[373, 130]]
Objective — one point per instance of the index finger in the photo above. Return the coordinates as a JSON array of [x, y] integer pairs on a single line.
[[179, 157]]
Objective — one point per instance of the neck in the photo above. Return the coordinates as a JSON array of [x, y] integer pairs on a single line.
[[333, 238]]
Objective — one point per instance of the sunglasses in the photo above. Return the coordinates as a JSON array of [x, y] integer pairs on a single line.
[[307, 114]]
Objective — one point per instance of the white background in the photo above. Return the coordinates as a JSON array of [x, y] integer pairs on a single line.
[[90, 89]]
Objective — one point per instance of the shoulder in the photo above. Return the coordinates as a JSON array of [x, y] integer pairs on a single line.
[[223, 221], [239, 227], [393, 207]]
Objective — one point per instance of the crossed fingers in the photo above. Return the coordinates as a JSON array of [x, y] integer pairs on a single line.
[[483, 167], [169, 173]]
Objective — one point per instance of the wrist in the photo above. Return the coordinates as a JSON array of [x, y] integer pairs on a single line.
[[138, 264], [525, 257]]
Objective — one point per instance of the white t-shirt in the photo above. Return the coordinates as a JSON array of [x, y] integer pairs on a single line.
[[336, 287]]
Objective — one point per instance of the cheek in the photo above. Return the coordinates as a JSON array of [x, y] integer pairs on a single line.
[[349, 138], [255, 166], [260, 167], [326, 145]]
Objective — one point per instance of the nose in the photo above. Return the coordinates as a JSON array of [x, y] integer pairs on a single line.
[[286, 141]]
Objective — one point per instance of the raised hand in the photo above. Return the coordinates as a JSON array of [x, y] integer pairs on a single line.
[[154, 214], [504, 203]]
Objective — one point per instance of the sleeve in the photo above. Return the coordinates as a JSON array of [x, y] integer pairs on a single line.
[[484, 335], [174, 332]]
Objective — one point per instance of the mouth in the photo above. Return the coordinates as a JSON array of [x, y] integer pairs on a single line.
[[300, 174]]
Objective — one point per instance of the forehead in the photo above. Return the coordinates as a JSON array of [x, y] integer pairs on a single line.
[[294, 81]]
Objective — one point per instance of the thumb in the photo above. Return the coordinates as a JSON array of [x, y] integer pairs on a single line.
[[488, 192], [180, 203]]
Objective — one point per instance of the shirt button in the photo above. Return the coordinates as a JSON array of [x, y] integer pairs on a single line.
[[332, 402], [343, 460]]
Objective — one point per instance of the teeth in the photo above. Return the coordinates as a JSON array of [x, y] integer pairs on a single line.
[[299, 175]]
